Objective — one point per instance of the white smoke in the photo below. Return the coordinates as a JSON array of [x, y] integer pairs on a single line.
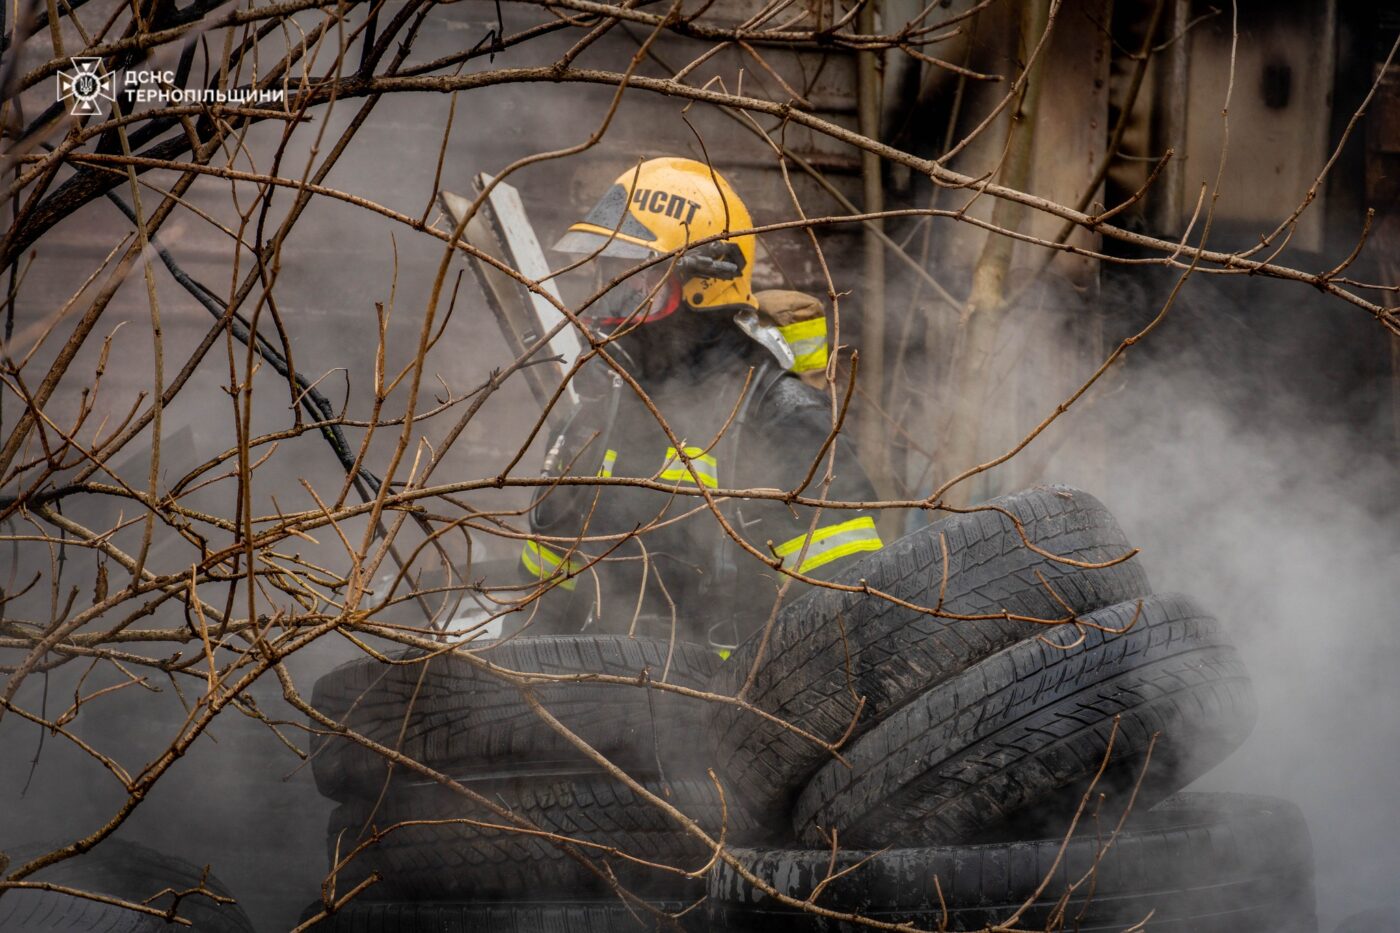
[[1284, 524]]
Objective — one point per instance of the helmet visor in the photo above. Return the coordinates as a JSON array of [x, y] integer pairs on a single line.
[[587, 243], [610, 229]]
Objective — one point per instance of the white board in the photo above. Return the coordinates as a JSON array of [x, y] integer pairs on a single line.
[[525, 249]]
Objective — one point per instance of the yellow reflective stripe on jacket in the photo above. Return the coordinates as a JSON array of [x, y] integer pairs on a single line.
[[609, 459], [705, 468], [830, 543], [544, 563], [808, 342]]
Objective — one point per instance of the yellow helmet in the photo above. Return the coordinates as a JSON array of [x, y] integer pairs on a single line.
[[662, 205]]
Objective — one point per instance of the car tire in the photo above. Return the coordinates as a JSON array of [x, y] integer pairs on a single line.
[[502, 917], [120, 869], [1011, 744], [837, 657], [449, 714], [1195, 863], [457, 854]]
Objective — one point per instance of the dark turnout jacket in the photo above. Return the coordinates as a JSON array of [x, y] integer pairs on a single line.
[[622, 559]]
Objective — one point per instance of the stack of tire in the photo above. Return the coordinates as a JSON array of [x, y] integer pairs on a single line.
[[493, 858], [971, 743], [967, 743]]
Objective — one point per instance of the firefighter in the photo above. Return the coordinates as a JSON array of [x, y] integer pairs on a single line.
[[733, 373]]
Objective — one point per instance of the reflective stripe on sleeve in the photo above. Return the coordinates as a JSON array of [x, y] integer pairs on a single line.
[[609, 459], [808, 342], [544, 563], [703, 471], [830, 543]]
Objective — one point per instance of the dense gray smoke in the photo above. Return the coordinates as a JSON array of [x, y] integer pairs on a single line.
[[1272, 498]]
